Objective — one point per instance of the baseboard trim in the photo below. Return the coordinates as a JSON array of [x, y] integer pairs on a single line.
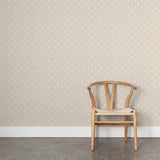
[[76, 131]]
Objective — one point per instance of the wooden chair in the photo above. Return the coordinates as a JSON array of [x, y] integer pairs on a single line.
[[126, 112]]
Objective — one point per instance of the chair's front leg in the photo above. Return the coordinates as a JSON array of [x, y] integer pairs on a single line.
[[135, 128], [93, 130]]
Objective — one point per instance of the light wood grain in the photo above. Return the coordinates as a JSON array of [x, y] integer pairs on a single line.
[[125, 129], [111, 82], [128, 98], [109, 100], [112, 96], [92, 98], [93, 130], [107, 96], [113, 122], [135, 129]]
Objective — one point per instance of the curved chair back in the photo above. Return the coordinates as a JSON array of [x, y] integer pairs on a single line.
[[110, 99]]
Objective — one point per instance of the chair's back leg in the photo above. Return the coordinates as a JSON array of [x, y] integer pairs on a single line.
[[135, 128], [125, 129], [93, 130]]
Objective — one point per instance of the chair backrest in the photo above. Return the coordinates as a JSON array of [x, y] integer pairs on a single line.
[[110, 99]]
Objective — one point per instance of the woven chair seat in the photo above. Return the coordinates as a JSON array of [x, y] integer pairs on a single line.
[[125, 111]]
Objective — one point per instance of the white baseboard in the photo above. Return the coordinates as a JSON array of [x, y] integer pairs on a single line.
[[76, 131]]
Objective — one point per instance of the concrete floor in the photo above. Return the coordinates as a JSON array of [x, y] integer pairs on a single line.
[[78, 149]]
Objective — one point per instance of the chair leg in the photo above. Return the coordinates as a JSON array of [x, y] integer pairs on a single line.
[[125, 129], [135, 129], [93, 130]]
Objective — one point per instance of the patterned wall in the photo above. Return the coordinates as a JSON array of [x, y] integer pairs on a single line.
[[50, 50]]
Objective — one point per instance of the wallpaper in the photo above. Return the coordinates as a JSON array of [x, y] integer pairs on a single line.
[[51, 50]]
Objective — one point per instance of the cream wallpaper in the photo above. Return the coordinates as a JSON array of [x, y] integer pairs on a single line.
[[51, 50]]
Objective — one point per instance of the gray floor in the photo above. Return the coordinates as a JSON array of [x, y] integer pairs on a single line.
[[78, 149]]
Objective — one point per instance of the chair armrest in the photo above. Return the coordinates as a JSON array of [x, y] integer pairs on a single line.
[[92, 98]]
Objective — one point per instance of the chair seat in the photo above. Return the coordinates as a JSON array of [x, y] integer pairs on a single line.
[[125, 111]]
